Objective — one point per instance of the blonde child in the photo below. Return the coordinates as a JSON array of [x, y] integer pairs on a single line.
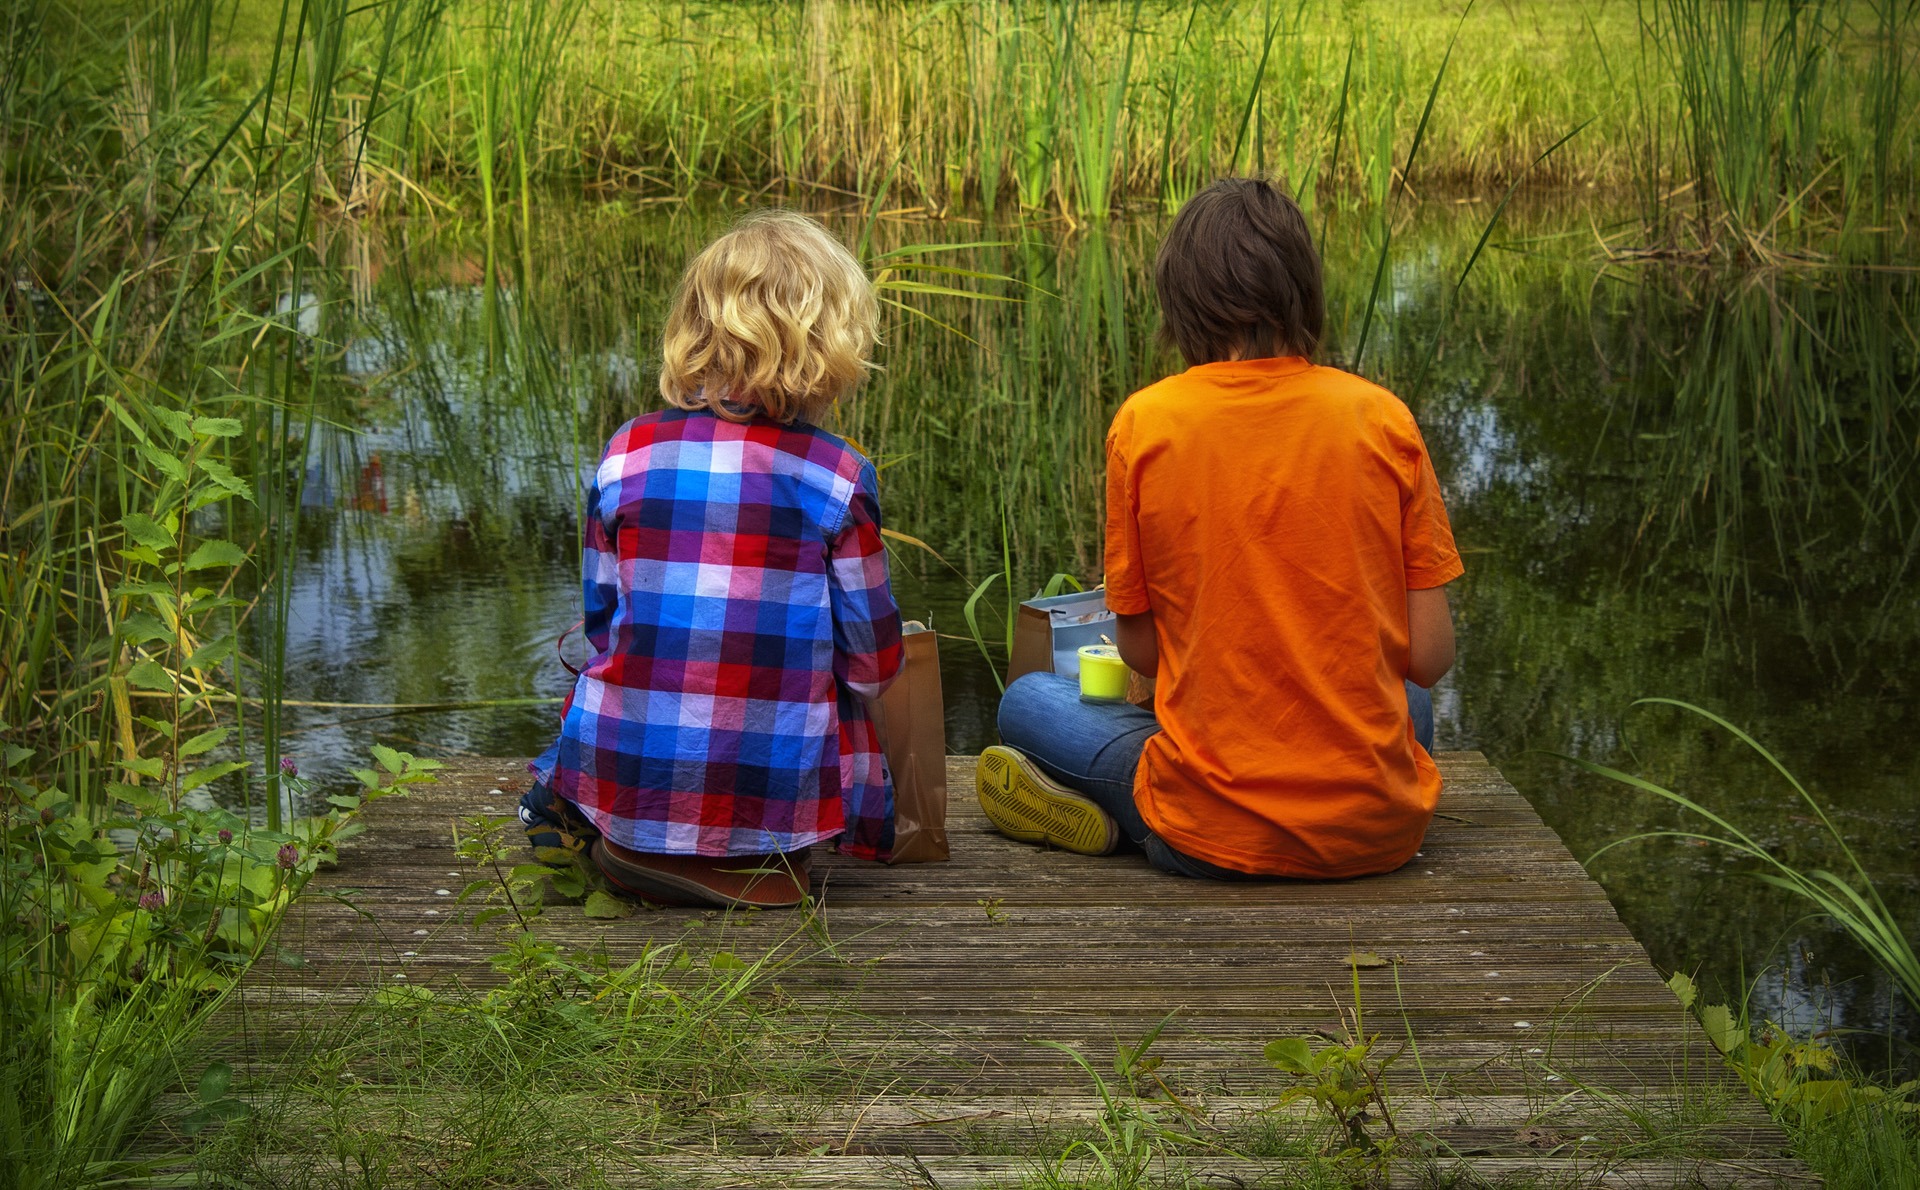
[[736, 593]]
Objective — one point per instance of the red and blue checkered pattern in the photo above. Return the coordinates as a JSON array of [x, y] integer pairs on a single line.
[[738, 607]]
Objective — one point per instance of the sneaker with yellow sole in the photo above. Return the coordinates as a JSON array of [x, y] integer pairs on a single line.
[[1026, 804]]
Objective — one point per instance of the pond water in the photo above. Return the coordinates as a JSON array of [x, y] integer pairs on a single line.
[[1666, 483]]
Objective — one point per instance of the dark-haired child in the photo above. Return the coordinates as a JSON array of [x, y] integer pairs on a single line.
[[1276, 552]]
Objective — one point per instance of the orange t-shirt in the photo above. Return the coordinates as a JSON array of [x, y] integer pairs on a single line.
[[1273, 515]]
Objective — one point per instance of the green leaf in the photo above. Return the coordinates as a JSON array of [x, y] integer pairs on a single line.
[[214, 1082], [146, 766], [143, 801], [389, 759], [259, 879], [1683, 987], [147, 531], [141, 553], [403, 997], [219, 1110], [141, 627], [212, 653], [217, 427], [163, 462], [1368, 959], [219, 473], [1722, 1029], [199, 777], [206, 741], [159, 592], [726, 960], [216, 553], [1291, 1054], [343, 801], [179, 423], [148, 675], [601, 905]]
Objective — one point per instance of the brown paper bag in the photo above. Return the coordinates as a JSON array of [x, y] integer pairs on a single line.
[[911, 719], [1032, 644]]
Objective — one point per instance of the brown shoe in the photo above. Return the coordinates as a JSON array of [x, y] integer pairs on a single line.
[[777, 881]]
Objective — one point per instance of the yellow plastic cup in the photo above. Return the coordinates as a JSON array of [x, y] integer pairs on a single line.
[[1103, 676]]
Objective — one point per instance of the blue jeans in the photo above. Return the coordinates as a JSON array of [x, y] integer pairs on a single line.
[[1094, 748]]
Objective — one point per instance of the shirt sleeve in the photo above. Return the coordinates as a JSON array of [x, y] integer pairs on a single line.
[[1126, 575], [1426, 537], [866, 622], [599, 574]]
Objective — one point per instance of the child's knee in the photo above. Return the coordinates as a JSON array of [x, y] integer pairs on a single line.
[[1029, 703]]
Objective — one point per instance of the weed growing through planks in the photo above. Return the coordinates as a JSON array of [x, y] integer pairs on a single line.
[[1344, 1077], [660, 1042], [1126, 1136]]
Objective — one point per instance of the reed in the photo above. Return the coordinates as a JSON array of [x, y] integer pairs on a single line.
[[157, 333], [1849, 899], [1080, 109]]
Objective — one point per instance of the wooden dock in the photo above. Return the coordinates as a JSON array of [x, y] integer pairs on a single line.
[[1536, 1044]]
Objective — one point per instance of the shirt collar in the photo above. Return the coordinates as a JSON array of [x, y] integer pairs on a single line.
[[1273, 367]]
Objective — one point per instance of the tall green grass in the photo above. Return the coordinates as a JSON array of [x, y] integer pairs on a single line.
[[1855, 1128], [1850, 899], [157, 338], [1788, 115], [1761, 128]]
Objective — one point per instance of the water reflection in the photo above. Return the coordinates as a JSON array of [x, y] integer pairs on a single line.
[[1665, 484]]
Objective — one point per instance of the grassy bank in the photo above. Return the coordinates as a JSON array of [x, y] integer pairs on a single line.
[[1780, 115], [1755, 124]]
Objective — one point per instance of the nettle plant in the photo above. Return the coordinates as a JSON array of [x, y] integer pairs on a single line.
[[148, 883], [131, 903]]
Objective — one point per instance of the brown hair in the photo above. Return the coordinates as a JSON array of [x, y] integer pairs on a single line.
[[1238, 274], [776, 316]]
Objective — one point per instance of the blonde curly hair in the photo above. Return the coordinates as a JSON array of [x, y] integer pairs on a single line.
[[775, 316]]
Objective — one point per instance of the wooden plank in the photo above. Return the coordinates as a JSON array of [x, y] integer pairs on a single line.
[[979, 1173], [1509, 973]]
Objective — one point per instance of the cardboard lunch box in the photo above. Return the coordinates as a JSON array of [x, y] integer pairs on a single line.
[[1048, 634]]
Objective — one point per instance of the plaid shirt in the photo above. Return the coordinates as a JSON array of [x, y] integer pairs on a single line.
[[738, 608]]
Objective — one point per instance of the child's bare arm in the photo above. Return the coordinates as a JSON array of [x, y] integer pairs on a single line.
[[1138, 645], [1430, 636]]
